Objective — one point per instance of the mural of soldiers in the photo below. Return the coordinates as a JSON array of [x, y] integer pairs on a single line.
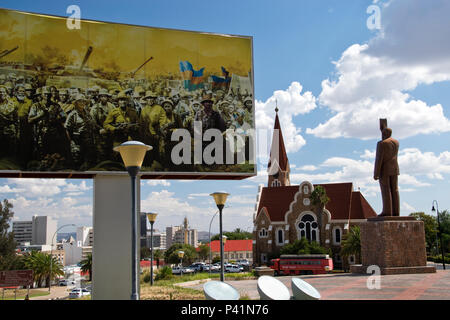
[[48, 120], [209, 117], [98, 113], [153, 117], [22, 105], [80, 127], [8, 129], [121, 122]]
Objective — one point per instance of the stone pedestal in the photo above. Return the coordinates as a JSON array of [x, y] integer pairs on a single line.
[[395, 244]]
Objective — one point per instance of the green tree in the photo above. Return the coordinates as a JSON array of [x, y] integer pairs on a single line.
[[7, 244], [86, 265], [303, 246], [430, 226], [203, 251], [145, 253], [319, 199], [237, 234], [171, 254], [351, 243], [444, 217], [41, 263], [158, 255]]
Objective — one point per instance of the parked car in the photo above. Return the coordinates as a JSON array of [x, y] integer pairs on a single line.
[[232, 268], [243, 262], [78, 293], [177, 270], [198, 266], [66, 282]]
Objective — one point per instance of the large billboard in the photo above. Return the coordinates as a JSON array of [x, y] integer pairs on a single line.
[[69, 94]]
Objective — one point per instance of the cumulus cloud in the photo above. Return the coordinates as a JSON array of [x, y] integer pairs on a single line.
[[163, 183], [374, 80], [291, 103]]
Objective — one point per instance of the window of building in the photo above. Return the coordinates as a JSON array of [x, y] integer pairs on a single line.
[[280, 237], [263, 233], [337, 235], [309, 228], [351, 259], [276, 183]]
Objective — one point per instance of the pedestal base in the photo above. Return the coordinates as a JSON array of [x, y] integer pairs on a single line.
[[395, 244], [359, 268]]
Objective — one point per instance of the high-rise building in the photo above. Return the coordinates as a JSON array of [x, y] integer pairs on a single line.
[[23, 231], [159, 240], [85, 237], [43, 230], [170, 235]]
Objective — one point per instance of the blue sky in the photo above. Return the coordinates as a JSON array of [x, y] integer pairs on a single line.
[[333, 78]]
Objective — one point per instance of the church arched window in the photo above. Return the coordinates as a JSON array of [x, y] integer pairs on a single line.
[[309, 228], [263, 233]]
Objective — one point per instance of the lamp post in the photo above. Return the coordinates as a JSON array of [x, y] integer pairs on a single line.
[[439, 230], [181, 255], [133, 153], [151, 218], [220, 198], [51, 253], [224, 241], [210, 247]]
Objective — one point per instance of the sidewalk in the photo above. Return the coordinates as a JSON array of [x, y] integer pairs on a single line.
[[56, 292], [346, 286]]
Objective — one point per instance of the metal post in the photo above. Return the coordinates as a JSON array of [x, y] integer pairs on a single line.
[[134, 254], [221, 244], [210, 247], [151, 259], [440, 233]]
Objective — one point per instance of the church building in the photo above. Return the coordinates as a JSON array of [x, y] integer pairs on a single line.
[[285, 213]]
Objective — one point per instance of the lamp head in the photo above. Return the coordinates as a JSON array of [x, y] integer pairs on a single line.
[[133, 153], [224, 239], [180, 254], [432, 209], [220, 198], [151, 217]]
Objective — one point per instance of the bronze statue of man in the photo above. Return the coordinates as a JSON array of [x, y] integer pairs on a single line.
[[387, 171]]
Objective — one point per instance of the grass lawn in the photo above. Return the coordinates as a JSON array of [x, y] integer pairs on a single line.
[[9, 294], [167, 290]]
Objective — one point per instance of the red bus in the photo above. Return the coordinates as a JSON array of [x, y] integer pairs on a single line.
[[302, 264]]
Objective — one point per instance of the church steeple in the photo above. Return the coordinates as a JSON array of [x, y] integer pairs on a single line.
[[278, 167]]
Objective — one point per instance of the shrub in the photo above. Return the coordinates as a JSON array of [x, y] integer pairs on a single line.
[[165, 273]]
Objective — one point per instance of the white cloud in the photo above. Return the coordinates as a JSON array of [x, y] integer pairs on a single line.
[[406, 206], [373, 80], [307, 168], [291, 102], [38, 187], [163, 183]]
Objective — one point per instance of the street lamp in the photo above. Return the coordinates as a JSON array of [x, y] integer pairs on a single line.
[[133, 153], [181, 255], [210, 247], [151, 218], [439, 231], [224, 241], [51, 253], [220, 198]]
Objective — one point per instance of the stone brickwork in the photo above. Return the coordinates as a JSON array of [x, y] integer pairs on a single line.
[[395, 244]]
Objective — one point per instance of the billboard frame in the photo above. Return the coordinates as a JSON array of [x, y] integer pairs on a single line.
[[145, 174]]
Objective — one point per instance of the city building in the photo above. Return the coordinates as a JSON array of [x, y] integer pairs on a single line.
[[233, 250], [85, 236], [170, 235], [159, 240], [285, 213], [23, 232], [39, 231]]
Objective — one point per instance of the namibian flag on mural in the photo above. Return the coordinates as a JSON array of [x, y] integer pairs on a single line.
[[193, 79], [219, 82]]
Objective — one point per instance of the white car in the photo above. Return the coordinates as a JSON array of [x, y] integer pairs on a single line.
[[232, 268], [78, 293], [177, 270], [66, 282]]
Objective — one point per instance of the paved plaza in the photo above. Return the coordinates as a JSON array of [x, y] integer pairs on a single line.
[[346, 286]]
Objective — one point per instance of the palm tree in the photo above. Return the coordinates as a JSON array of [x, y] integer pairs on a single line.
[[351, 243], [319, 198], [86, 265], [41, 263]]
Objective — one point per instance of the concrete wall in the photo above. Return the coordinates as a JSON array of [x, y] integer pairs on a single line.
[[111, 257]]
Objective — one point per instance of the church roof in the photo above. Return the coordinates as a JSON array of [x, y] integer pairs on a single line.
[[344, 202], [278, 142]]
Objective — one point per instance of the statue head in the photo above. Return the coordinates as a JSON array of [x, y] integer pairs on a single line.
[[386, 133]]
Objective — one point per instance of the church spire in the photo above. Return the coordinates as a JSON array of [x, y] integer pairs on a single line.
[[278, 166]]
